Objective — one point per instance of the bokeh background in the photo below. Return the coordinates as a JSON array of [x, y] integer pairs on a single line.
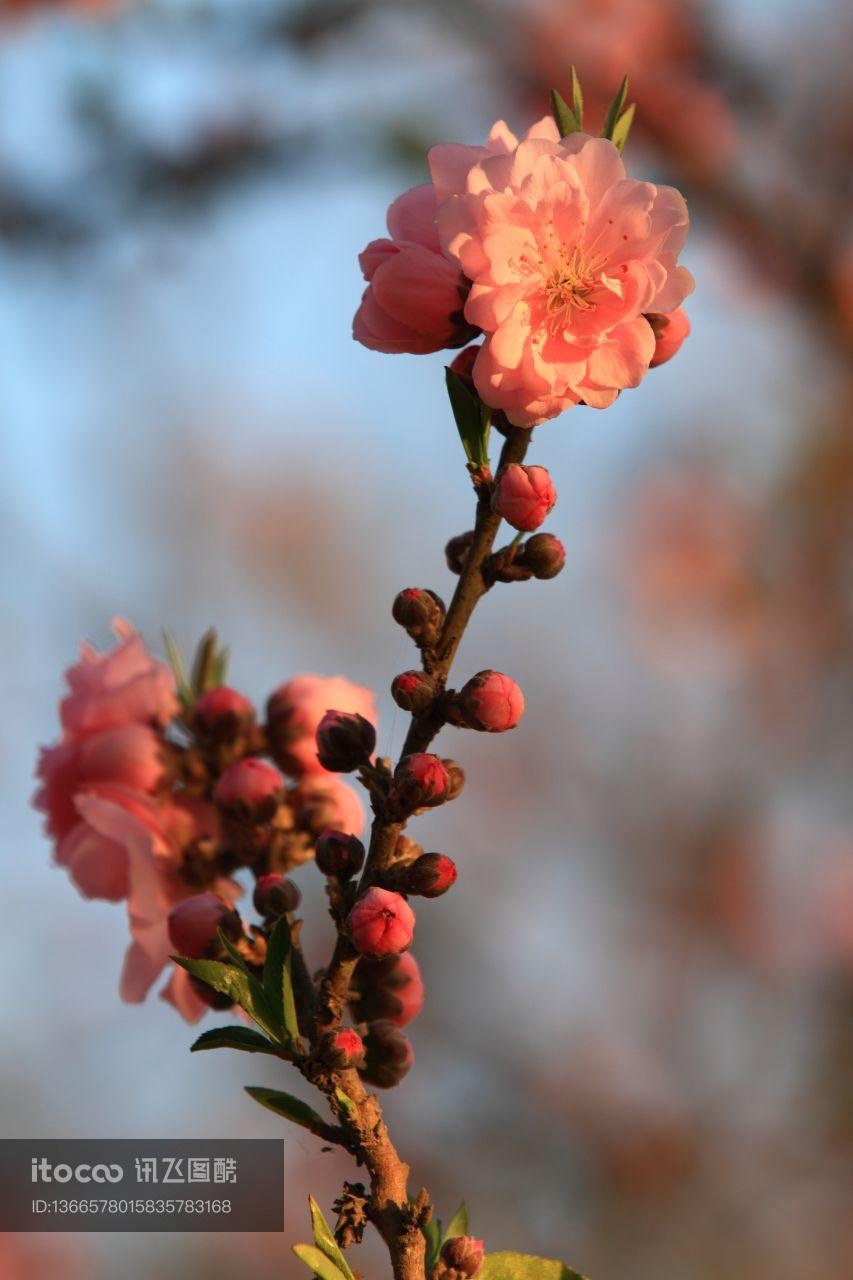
[[637, 1050]]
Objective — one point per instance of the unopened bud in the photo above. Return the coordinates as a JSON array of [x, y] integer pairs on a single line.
[[463, 1255], [414, 691], [390, 989], [456, 551], [456, 777], [388, 1055], [420, 613], [221, 714], [430, 875], [339, 854], [195, 923], [544, 555], [421, 781], [342, 1049], [275, 896], [670, 331], [490, 702], [381, 923], [250, 791], [523, 495], [345, 740]]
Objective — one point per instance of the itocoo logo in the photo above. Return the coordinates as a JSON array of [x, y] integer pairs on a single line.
[[44, 1171]]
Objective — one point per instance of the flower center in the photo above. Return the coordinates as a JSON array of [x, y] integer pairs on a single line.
[[570, 284]]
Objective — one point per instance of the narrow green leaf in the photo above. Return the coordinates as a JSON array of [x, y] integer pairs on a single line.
[[615, 110], [567, 121], [204, 663], [232, 951], [220, 670], [324, 1239], [234, 1038], [432, 1231], [278, 980], [520, 1266], [284, 1104], [473, 419], [240, 987], [458, 1225], [577, 98], [317, 1262], [623, 126], [176, 662], [346, 1103]]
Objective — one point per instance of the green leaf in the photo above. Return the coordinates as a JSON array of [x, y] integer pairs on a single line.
[[278, 980], [577, 98], [324, 1239], [234, 1038], [458, 1225], [284, 1104], [176, 662], [615, 110], [220, 667], [204, 663], [317, 1262], [623, 126], [240, 987], [228, 946], [432, 1231], [346, 1104], [567, 121], [473, 419], [520, 1266]]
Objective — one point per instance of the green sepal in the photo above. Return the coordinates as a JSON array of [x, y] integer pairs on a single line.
[[623, 126], [567, 121], [614, 111], [577, 98]]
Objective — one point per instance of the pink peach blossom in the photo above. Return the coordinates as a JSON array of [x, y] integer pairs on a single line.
[[414, 298], [323, 801], [565, 255], [295, 710], [123, 686]]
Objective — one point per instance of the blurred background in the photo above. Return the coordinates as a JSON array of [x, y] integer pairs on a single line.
[[637, 1050]]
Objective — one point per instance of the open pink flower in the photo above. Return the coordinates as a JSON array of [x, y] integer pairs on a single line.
[[414, 298], [295, 710], [566, 255], [123, 686]]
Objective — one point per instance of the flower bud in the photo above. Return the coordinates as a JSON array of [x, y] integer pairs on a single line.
[[406, 850], [195, 922], [414, 691], [275, 896], [338, 854], [456, 774], [342, 1049], [523, 496], [345, 740], [381, 923], [463, 1255], [462, 364], [490, 702], [430, 875], [456, 551], [390, 989], [544, 555], [670, 331], [388, 1055], [420, 613], [250, 790], [421, 781], [222, 714]]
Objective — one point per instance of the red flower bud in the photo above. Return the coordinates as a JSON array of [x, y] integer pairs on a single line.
[[491, 702], [195, 922], [456, 551], [430, 875], [390, 989], [338, 854], [250, 790], [421, 781], [275, 896], [414, 691], [221, 714], [463, 1254], [456, 774], [523, 495], [342, 1049], [544, 555], [670, 331], [463, 364], [420, 613], [345, 740], [388, 1055], [381, 923]]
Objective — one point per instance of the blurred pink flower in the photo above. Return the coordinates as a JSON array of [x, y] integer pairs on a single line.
[[123, 686], [414, 298], [566, 254], [322, 801], [295, 710]]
